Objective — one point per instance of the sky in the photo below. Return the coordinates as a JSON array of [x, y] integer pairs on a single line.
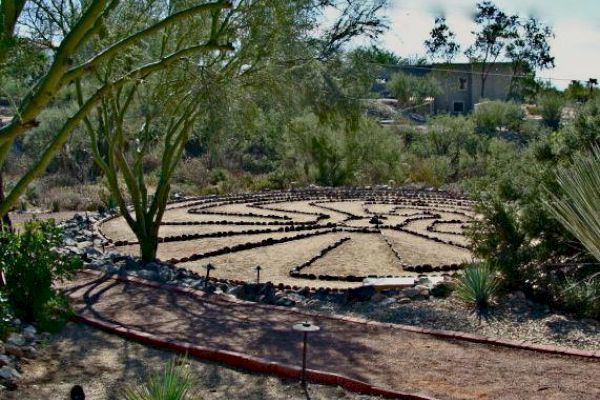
[[576, 24]]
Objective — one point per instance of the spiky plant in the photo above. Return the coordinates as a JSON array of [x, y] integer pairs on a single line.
[[578, 210], [477, 287], [175, 383]]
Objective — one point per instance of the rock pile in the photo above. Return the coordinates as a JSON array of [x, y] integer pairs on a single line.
[[19, 346]]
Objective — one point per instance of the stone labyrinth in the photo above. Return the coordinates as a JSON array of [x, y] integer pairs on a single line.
[[320, 238]]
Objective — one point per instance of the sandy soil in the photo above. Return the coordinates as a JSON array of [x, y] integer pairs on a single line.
[[276, 262], [417, 250], [364, 254], [19, 218], [104, 364], [187, 248]]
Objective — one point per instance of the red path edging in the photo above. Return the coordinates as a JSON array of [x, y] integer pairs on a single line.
[[246, 362], [444, 334]]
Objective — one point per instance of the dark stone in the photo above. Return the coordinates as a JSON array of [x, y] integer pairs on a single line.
[[77, 393]]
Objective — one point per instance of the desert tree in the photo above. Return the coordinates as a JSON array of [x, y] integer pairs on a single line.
[[530, 50], [441, 43], [495, 31], [159, 113], [69, 29]]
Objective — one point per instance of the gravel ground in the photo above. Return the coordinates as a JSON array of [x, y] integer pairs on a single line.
[[104, 364], [513, 318]]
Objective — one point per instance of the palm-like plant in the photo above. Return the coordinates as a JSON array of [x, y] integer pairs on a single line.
[[477, 287], [175, 383], [579, 210]]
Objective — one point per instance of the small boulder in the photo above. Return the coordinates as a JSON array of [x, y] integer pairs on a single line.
[[9, 373], [13, 350], [29, 333], [4, 360], [16, 339]]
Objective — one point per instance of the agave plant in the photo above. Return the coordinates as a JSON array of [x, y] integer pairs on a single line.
[[579, 209], [477, 287], [175, 383]]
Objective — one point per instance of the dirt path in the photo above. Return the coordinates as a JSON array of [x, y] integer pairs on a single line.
[[385, 357]]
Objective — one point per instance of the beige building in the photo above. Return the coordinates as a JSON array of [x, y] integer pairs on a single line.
[[460, 83]]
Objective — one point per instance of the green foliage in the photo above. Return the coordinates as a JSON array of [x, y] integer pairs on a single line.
[[334, 154], [550, 106], [587, 125], [31, 264], [579, 209], [477, 287], [175, 383], [412, 90], [498, 237], [492, 116], [582, 297]]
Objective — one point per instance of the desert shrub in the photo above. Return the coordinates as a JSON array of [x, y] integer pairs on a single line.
[[492, 116], [498, 237], [409, 89], [477, 287], [550, 107], [432, 171], [175, 383], [581, 297], [31, 264]]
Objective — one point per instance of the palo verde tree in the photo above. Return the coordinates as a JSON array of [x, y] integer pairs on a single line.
[[69, 29], [160, 112]]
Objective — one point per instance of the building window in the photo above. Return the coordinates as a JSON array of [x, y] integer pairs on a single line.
[[459, 107], [462, 83]]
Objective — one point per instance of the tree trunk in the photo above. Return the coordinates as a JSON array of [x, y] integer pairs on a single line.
[[148, 247]]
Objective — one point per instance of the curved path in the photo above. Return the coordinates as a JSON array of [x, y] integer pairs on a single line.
[[381, 355]]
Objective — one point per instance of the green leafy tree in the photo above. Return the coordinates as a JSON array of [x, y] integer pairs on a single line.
[[441, 43], [496, 30]]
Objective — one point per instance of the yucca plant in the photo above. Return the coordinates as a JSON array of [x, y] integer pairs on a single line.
[[175, 383], [578, 210], [477, 287]]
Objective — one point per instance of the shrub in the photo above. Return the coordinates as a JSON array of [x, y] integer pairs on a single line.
[[583, 297], [550, 107], [32, 264], [494, 115], [477, 287], [175, 383]]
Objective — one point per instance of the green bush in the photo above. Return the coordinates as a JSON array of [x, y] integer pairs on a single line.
[[31, 264], [582, 298], [491, 116], [175, 383], [550, 107], [477, 287]]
